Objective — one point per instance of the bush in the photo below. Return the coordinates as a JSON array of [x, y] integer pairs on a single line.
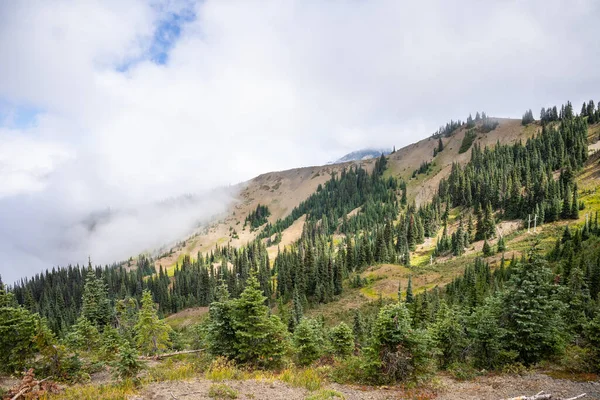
[[577, 359], [222, 391], [326, 394], [349, 370], [342, 340], [462, 371], [127, 365]]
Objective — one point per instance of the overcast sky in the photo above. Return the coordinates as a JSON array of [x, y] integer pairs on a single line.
[[120, 104]]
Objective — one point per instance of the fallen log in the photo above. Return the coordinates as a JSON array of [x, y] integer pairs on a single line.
[[544, 396], [176, 353]]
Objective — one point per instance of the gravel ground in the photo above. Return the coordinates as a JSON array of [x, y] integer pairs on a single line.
[[482, 388]]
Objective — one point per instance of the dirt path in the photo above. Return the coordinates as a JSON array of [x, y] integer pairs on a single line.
[[482, 388]]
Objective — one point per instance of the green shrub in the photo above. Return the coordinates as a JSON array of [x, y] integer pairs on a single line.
[[326, 394], [127, 365], [462, 371], [222, 391], [349, 370]]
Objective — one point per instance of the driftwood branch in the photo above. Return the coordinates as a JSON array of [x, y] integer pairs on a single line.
[[161, 356], [544, 396]]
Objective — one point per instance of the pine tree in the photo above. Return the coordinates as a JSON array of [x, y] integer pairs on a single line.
[[342, 340], [531, 311], [95, 306], [399, 291], [449, 335], [501, 245], [575, 205], [409, 292], [220, 331], [487, 249], [358, 328], [297, 311], [308, 341], [259, 338], [17, 329], [488, 336], [128, 364], [84, 335], [398, 352], [152, 333]]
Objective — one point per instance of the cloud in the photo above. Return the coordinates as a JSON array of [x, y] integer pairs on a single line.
[[141, 101]]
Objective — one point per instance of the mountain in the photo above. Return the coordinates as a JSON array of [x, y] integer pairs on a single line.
[[364, 154], [428, 250]]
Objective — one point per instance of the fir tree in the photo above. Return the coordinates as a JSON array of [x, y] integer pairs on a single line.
[[308, 341], [96, 306], [409, 292], [342, 340], [259, 338], [17, 328], [531, 311], [152, 333], [220, 331]]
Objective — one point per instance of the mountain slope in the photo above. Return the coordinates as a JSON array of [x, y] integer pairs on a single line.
[[281, 191]]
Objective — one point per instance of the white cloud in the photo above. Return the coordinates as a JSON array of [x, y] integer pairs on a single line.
[[253, 86]]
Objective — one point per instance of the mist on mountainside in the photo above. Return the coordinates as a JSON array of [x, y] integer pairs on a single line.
[[106, 236]]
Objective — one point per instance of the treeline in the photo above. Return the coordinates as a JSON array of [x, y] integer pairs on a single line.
[[553, 114], [331, 202], [518, 180], [487, 125]]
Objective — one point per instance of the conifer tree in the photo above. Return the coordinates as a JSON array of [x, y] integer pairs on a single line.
[[399, 291], [358, 327], [342, 340], [220, 331], [308, 341], [259, 338], [409, 291], [532, 312], [501, 245], [17, 328], [449, 335], [398, 352], [95, 306], [487, 249], [84, 335], [152, 333]]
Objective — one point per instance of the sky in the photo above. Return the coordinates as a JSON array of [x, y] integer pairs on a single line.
[[119, 108]]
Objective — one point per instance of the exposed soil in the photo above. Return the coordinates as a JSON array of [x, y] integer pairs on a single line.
[[445, 388]]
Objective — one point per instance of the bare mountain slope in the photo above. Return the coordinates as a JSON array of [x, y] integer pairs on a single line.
[[281, 191]]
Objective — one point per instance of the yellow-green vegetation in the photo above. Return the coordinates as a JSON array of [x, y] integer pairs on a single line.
[[326, 394], [222, 391], [222, 369], [116, 391], [172, 370], [308, 378]]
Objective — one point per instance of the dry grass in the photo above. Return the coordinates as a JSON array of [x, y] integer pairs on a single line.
[[117, 391]]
